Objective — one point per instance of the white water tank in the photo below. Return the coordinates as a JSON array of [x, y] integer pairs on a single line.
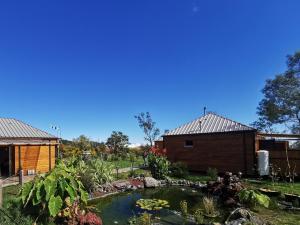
[[263, 162]]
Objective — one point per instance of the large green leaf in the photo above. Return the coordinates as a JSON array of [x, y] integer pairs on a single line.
[[50, 187], [38, 194], [54, 205], [71, 192], [26, 188], [84, 196]]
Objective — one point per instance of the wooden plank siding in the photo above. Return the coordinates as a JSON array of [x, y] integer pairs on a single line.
[[34, 158], [230, 151], [278, 158]]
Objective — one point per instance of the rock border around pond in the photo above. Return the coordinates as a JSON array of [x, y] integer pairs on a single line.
[[133, 184]]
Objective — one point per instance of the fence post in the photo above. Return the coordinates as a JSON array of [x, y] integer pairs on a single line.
[[21, 173]]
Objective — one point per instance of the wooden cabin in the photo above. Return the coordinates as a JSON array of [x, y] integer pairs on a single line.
[[218, 142], [25, 147]]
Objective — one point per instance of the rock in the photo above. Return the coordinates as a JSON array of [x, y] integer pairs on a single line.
[[150, 182], [121, 184]]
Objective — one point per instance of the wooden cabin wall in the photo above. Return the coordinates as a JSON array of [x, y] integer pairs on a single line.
[[233, 151], [34, 158]]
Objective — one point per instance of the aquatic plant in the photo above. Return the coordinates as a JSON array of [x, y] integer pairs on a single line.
[[198, 216], [253, 198], [209, 207], [152, 204], [184, 208], [143, 219]]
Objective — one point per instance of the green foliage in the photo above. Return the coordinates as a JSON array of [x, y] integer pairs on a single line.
[[198, 217], [148, 126], [12, 214], [152, 204], [118, 143], [47, 194], [254, 198], [144, 219], [209, 207], [159, 166], [179, 169], [281, 101], [101, 170], [184, 208], [212, 173]]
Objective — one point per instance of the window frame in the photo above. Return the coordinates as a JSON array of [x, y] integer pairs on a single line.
[[188, 146]]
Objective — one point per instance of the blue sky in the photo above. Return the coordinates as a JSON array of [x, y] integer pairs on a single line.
[[90, 66]]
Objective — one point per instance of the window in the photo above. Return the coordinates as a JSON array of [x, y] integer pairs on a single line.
[[188, 143]]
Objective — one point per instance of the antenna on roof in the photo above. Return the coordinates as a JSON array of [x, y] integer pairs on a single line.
[[204, 111]]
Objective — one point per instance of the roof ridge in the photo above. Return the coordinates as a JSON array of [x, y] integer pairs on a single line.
[[231, 120], [211, 126]]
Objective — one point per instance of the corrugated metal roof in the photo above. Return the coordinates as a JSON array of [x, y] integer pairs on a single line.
[[12, 128], [210, 123]]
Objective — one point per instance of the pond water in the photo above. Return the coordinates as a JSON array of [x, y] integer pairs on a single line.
[[117, 209]]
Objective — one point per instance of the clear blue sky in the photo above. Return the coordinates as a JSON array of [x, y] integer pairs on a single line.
[[90, 66]]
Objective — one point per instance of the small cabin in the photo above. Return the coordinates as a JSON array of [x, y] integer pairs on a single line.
[[25, 147], [218, 142]]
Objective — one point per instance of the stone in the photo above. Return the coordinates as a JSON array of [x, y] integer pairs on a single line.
[[150, 182], [121, 185]]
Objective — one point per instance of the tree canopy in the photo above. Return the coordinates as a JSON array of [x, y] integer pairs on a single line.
[[148, 126], [118, 142], [281, 101]]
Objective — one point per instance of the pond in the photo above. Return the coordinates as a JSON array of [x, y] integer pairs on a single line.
[[117, 209]]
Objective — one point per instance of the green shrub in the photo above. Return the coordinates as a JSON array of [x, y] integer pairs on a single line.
[[212, 173], [158, 165], [179, 169], [254, 198], [12, 215], [102, 172], [48, 195]]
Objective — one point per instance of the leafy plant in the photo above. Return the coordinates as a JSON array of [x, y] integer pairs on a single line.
[[101, 170], [254, 198], [184, 208], [212, 173], [159, 166], [198, 216], [49, 194], [143, 219], [152, 204], [179, 169], [209, 207]]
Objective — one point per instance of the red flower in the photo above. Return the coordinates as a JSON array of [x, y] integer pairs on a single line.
[[159, 152], [90, 219]]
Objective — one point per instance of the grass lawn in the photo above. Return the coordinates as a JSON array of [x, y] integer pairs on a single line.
[[125, 163], [123, 176], [283, 187], [9, 193]]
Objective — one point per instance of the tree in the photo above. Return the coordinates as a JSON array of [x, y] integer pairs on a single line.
[[281, 102], [118, 142], [83, 143], [148, 126]]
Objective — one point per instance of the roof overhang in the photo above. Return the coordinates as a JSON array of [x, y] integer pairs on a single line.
[[27, 142], [285, 136]]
